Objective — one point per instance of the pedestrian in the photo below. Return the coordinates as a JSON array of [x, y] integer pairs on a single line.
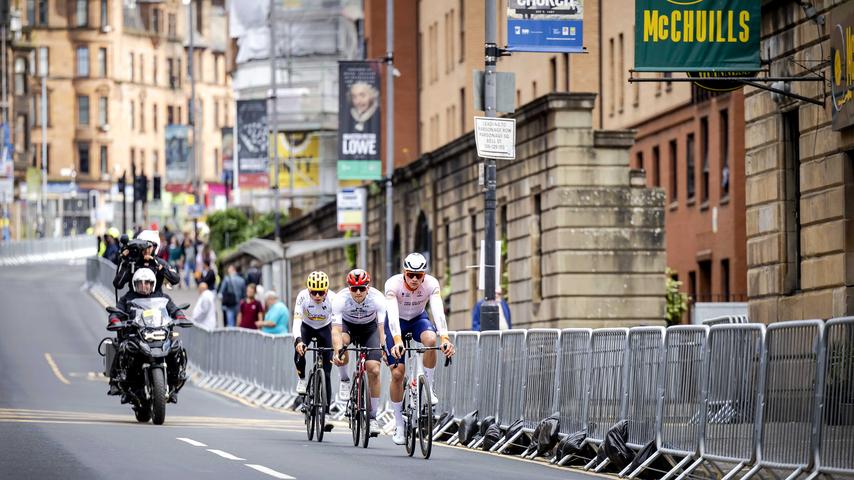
[[276, 317], [189, 261], [251, 310], [232, 290], [205, 253], [253, 275], [204, 313], [176, 254], [504, 322], [207, 276]]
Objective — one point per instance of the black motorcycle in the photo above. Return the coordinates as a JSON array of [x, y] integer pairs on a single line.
[[147, 357]]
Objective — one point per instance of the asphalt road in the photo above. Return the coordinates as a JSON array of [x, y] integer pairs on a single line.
[[56, 420]]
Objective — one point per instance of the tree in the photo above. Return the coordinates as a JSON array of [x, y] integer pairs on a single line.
[[677, 302]]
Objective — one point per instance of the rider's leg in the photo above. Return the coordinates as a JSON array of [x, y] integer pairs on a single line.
[[324, 340], [428, 338], [373, 368]]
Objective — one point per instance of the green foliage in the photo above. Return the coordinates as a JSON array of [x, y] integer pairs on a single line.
[[231, 227], [505, 275], [350, 251], [677, 302], [264, 225]]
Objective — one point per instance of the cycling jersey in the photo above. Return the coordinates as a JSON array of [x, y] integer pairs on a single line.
[[315, 315], [411, 304], [372, 308]]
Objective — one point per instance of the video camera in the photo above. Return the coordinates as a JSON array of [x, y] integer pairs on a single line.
[[136, 248]]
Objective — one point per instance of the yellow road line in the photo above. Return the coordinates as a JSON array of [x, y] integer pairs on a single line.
[[55, 369]]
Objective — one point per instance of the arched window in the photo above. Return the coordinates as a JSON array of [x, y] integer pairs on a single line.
[[423, 237], [20, 76]]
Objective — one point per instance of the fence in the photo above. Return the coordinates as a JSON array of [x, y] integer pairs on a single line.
[[721, 398], [47, 249]]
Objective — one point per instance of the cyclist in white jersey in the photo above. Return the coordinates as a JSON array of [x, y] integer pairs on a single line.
[[359, 314], [313, 319], [407, 296]]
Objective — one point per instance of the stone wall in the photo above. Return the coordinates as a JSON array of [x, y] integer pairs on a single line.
[[585, 248]]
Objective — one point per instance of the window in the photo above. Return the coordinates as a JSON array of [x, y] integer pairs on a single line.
[[172, 22], [725, 280], [44, 61], [216, 113], [640, 161], [20, 76], [102, 62], [103, 112], [170, 69], [83, 110], [132, 66], [724, 129], [692, 285], [656, 166], [534, 88], [170, 118], [198, 13], [620, 72], [689, 167], [45, 157], [37, 114], [43, 11], [105, 16], [462, 110], [155, 20], [674, 173], [704, 151], [792, 205], [82, 61], [566, 72], [132, 115], [537, 250], [31, 12], [154, 116], [178, 76], [104, 162], [180, 116], [83, 158], [705, 286], [81, 13], [461, 27], [553, 74], [141, 116], [612, 106]]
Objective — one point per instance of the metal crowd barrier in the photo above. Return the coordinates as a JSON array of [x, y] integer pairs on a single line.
[[606, 398], [726, 319], [574, 380], [47, 249], [463, 400], [512, 364]]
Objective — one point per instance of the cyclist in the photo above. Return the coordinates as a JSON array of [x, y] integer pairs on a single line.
[[407, 295], [313, 319], [357, 312]]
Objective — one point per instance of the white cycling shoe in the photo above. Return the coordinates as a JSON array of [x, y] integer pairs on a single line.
[[375, 427], [399, 437], [344, 390], [434, 400], [301, 386]]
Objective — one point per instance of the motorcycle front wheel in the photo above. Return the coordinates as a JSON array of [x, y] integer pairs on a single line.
[[158, 396]]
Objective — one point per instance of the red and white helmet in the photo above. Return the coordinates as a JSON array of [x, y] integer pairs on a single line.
[[358, 278]]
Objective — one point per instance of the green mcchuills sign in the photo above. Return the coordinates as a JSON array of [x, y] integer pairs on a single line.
[[697, 35]]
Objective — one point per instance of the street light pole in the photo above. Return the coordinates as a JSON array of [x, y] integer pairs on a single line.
[[43, 204], [389, 138], [194, 150], [273, 120], [489, 308]]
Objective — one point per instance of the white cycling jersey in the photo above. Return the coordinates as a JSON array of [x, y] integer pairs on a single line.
[[315, 315], [411, 304], [372, 308]]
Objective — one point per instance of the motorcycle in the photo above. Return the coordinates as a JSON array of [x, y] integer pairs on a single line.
[[147, 357]]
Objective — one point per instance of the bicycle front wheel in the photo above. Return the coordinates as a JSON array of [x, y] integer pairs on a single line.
[[353, 412], [308, 401], [320, 403], [409, 422], [425, 418], [364, 409]]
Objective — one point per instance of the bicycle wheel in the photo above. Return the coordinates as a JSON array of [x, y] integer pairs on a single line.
[[409, 422], [308, 408], [353, 412], [364, 408], [425, 418], [320, 403]]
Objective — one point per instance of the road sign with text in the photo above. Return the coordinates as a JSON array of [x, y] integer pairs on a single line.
[[495, 137]]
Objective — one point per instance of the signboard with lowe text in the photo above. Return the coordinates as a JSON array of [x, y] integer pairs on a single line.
[[351, 209], [495, 137], [253, 140], [697, 35], [545, 25], [842, 64], [359, 121]]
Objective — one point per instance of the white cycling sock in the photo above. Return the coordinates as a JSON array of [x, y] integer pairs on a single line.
[[397, 407], [375, 402], [428, 372], [344, 373]]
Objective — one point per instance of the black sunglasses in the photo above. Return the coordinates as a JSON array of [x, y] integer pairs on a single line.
[[317, 293], [358, 289], [414, 275]]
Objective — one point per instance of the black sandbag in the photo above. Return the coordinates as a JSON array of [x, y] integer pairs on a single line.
[[614, 447], [491, 437], [521, 443], [547, 436], [574, 445], [468, 428], [653, 470]]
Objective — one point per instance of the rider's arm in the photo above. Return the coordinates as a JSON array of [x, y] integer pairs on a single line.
[[298, 319], [122, 274], [170, 273], [175, 312], [393, 324], [437, 309]]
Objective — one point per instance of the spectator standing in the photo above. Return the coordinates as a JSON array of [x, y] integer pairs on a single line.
[[189, 261], [277, 317], [232, 290], [206, 253], [253, 275], [251, 310], [204, 313], [208, 276], [504, 322]]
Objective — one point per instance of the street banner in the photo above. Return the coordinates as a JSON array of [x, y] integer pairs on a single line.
[[177, 158], [227, 151], [252, 144], [545, 26], [842, 64], [351, 209], [359, 120], [304, 149], [7, 165], [697, 35]]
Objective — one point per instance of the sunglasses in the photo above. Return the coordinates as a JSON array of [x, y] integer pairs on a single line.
[[317, 293], [414, 275], [358, 289]]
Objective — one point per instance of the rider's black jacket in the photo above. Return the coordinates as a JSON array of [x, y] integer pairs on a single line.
[[162, 271], [124, 305]]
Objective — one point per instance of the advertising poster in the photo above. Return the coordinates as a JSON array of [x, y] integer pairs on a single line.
[[252, 144], [359, 121], [545, 26], [177, 158]]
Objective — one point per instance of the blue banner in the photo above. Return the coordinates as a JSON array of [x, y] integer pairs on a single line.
[[545, 26]]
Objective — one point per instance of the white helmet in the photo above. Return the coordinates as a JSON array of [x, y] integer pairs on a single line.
[[415, 262], [150, 236], [143, 275]]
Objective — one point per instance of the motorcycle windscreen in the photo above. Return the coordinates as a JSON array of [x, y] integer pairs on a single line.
[[151, 312]]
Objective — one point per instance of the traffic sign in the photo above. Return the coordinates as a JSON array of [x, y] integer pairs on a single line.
[[495, 137], [351, 204]]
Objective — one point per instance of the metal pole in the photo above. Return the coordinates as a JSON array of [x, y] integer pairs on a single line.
[[124, 204], [363, 232], [42, 215], [273, 119], [290, 139], [3, 79], [489, 309], [195, 166], [235, 161], [389, 139]]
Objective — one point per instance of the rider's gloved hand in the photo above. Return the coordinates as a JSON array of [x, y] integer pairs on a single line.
[[446, 346]]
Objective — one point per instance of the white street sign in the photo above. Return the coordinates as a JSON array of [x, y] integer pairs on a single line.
[[351, 202], [495, 137]]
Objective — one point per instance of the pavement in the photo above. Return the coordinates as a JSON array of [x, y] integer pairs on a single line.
[[56, 420]]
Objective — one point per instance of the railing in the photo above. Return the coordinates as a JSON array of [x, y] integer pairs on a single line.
[[722, 398], [47, 249]]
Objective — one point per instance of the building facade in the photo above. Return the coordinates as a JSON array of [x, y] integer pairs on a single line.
[[800, 201]]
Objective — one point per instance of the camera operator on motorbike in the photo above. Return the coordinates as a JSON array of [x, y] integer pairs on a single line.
[[143, 286], [142, 253]]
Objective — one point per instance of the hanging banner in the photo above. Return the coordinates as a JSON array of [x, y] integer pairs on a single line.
[[252, 144], [545, 26], [227, 152], [7, 164], [304, 149], [697, 35], [178, 158], [359, 121], [842, 64]]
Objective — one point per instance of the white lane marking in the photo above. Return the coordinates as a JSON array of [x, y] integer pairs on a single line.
[[55, 369], [191, 442], [270, 472], [225, 455]]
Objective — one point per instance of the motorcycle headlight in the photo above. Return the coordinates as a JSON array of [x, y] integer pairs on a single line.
[[154, 335]]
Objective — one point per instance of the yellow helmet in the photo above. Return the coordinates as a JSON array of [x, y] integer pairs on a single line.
[[317, 281]]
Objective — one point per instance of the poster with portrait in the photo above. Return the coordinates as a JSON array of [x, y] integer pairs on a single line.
[[359, 121], [227, 154], [177, 158], [252, 144]]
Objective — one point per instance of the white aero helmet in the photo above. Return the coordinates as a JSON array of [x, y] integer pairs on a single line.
[[150, 236], [143, 275], [415, 262]]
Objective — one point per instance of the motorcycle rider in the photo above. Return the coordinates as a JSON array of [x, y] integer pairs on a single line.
[[132, 260], [142, 284]]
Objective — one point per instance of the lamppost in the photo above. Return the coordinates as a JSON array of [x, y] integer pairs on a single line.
[[192, 112]]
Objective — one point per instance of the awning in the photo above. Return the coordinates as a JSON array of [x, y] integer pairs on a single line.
[[265, 251], [296, 249]]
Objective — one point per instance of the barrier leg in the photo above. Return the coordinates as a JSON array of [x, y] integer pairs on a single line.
[[643, 466], [602, 465], [508, 442], [732, 473], [753, 471], [795, 474], [814, 475], [452, 440], [685, 473], [474, 442], [442, 430], [676, 467], [477, 442]]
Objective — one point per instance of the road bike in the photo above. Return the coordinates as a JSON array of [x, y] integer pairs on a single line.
[[314, 405], [358, 407]]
